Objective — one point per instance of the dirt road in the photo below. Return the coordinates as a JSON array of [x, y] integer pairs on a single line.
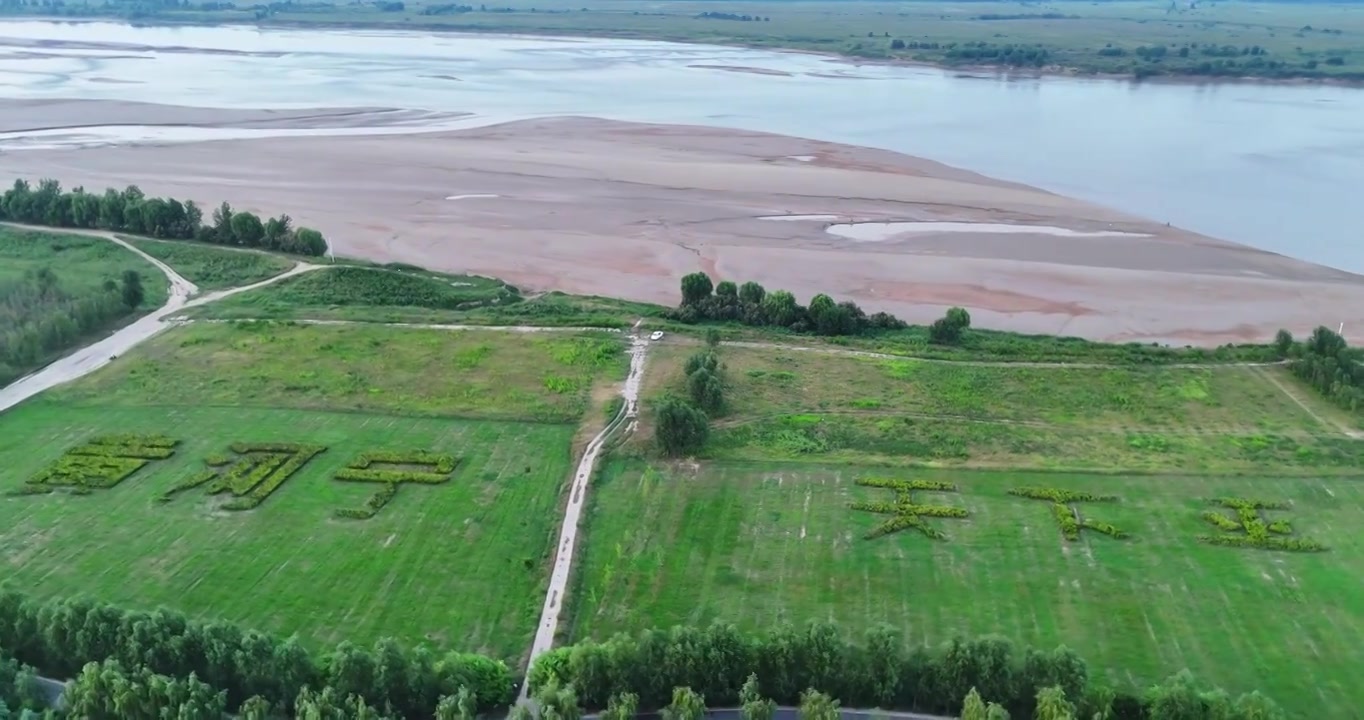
[[568, 533]]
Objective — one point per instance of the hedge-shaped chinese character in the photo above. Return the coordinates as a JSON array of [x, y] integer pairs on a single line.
[[393, 469], [905, 512], [100, 463], [257, 471]]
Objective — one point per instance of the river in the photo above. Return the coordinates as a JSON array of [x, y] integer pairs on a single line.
[[1273, 166]]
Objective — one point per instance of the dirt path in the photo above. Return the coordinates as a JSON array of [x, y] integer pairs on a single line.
[[424, 326], [95, 356], [568, 532]]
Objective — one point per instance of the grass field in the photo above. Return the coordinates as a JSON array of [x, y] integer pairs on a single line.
[[459, 564], [82, 263], [213, 268], [818, 407], [759, 543], [1289, 39], [472, 374]]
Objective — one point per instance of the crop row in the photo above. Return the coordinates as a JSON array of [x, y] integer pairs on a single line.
[[1265, 543], [907, 485], [269, 482], [1058, 495], [444, 464], [102, 462], [391, 476], [376, 502]]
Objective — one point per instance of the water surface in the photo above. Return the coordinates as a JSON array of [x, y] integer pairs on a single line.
[[1274, 166]]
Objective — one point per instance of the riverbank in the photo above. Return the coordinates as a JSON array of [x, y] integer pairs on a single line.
[[1314, 43], [618, 209]]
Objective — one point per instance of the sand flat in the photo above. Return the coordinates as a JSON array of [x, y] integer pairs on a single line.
[[623, 209]]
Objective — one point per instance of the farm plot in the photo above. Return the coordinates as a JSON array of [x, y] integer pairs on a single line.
[[789, 404], [1135, 573], [459, 564]]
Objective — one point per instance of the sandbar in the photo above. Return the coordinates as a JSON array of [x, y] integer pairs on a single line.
[[621, 209]]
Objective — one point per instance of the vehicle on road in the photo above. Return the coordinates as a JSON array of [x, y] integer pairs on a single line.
[[656, 335]]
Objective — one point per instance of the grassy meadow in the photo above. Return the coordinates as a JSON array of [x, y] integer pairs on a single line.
[[459, 564], [82, 263], [213, 268], [401, 371], [794, 405], [758, 543]]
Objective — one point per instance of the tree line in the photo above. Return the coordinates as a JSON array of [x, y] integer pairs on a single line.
[[751, 304], [1326, 362], [39, 318], [160, 664], [131, 211], [97, 642], [723, 666], [684, 422]]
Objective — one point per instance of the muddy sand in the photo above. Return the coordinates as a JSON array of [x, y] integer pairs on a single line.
[[55, 115], [624, 210]]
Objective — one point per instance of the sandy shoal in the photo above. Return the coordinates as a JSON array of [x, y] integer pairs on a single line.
[[624, 210]]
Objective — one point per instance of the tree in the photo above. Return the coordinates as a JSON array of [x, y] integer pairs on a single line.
[[752, 705], [712, 337], [222, 224], [255, 708], [973, 708], [1283, 343], [686, 705], [751, 293], [1052, 705], [706, 390], [948, 329], [696, 287], [133, 294], [308, 241], [780, 308], [727, 290], [278, 232], [621, 706], [247, 229], [558, 702], [815, 705], [702, 360], [682, 429]]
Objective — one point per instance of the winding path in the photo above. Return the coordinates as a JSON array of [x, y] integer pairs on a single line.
[[95, 356], [577, 498]]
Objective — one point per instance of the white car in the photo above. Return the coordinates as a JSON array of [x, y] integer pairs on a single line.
[[656, 335]]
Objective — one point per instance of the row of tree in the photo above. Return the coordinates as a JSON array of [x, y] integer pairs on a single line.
[[1326, 362], [60, 637], [683, 424], [39, 318], [751, 304], [879, 671], [131, 211]]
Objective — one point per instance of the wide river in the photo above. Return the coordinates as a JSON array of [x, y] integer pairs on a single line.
[[1278, 167]]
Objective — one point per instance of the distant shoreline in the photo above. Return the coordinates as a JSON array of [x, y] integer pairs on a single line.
[[1052, 71]]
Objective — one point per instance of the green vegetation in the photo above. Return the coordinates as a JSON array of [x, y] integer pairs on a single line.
[[476, 374], [249, 409], [379, 294], [820, 407], [126, 661], [761, 543], [133, 212], [1140, 39], [58, 292], [213, 268]]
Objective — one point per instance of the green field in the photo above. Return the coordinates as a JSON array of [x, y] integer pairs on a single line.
[[82, 263], [459, 563], [213, 268], [808, 406], [760, 543], [403, 371], [1289, 39]]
